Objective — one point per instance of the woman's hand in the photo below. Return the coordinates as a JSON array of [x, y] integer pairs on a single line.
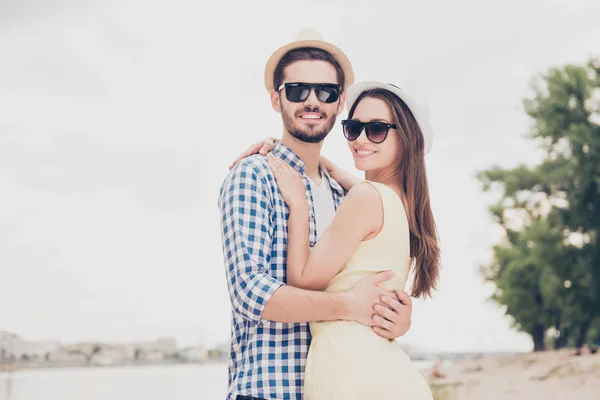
[[263, 147], [290, 183]]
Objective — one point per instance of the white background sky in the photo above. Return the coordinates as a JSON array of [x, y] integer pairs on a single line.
[[118, 121]]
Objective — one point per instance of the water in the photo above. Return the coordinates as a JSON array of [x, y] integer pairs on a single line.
[[173, 382]]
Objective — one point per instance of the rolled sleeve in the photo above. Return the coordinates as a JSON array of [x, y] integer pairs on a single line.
[[246, 240]]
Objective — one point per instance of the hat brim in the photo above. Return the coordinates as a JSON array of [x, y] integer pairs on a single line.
[[319, 44], [355, 90]]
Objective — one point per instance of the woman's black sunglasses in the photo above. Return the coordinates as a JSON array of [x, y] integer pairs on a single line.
[[376, 131], [297, 92]]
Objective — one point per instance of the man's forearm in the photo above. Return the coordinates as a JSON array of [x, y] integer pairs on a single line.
[[290, 304]]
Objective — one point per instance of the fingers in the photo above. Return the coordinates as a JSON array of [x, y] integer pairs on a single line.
[[395, 324], [383, 276], [392, 303], [263, 147], [404, 298], [385, 312], [249, 151], [275, 165], [264, 150], [382, 322], [291, 172], [284, 169], [382, 332], [267, 146]]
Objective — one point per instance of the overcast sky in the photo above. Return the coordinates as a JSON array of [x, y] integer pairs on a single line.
[[118, 120]]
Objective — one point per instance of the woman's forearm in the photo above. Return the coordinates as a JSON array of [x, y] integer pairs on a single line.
[[344, 178], [297, 245]]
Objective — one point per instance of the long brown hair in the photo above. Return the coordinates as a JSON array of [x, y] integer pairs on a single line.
[[424, 244]]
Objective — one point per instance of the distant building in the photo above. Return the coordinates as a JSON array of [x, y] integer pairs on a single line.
[[61, 356], [194, 354], [202, 353], [113, 354], [150, 350], [86, 348], [14, 347], [167, 347], [121, 351], [154, 356]]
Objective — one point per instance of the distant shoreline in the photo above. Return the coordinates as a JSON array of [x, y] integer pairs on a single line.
[[425, 361], [7, 369], [12, 368]]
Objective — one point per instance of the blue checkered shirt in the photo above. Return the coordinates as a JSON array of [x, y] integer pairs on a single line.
[[266, 358]]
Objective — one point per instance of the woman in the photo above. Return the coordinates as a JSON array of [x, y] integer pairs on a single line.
[[385, 222]]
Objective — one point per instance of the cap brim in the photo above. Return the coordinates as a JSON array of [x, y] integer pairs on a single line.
[[319, 44], [355, 90]]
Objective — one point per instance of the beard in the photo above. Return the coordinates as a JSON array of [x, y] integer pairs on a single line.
[[308, 134]]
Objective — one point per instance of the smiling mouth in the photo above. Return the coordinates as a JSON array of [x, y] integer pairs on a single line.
[[363, 153], [310, 117]]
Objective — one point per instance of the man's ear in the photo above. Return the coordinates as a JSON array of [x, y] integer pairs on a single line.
[[275, 101], [342, 103]]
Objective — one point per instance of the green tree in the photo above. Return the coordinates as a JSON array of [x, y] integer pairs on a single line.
[[526, 283], [547, 270]]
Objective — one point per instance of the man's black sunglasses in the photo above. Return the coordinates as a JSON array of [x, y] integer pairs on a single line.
[[297, 92], [376, 131]]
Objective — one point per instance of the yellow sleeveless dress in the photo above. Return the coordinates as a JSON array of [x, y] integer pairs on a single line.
[[347, 360]]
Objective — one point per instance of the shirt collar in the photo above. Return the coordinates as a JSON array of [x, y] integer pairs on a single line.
[[287, 155]]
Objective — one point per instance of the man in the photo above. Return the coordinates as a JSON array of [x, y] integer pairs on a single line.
[[270, 337]]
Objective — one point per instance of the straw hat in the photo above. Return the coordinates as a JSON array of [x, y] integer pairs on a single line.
[[308, 38]]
